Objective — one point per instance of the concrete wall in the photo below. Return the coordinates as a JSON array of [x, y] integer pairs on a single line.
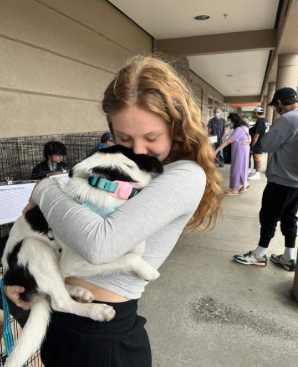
[[201, 89], [56, 58], [207, 91]]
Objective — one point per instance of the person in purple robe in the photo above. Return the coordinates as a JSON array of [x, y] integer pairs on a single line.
[[240, 140]]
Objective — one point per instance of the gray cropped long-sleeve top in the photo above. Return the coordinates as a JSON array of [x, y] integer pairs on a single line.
[[158, 214]]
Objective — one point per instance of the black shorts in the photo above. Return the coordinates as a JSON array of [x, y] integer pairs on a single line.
[[256, 149], [75, 341]]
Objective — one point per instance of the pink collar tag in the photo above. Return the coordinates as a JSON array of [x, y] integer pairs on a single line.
[[124, 190]]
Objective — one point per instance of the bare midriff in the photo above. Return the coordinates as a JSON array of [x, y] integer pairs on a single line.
[[99, 294]]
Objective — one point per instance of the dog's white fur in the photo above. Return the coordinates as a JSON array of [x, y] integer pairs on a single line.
[[40, 255]]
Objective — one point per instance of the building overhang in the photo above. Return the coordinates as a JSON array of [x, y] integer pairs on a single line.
[[220, 43]]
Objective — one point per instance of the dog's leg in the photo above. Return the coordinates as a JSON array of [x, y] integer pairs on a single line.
[[73, 265], [43, 265], [139, 249], [83, 294]]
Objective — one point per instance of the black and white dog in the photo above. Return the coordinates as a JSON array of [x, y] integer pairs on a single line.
[[31, 259]]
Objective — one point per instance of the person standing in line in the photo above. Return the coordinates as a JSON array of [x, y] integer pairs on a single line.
[[280, 197], [150, 110], [106, 141], [261, 127], [240, 155], [217, 126]]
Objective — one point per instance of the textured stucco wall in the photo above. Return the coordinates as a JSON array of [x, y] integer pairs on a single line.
[[56, 58]]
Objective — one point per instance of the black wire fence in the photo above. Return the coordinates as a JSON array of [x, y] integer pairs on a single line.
[[18, 156]]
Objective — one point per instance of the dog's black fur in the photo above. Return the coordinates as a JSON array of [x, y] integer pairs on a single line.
[[29, 251], [144, 162], [20, 275]]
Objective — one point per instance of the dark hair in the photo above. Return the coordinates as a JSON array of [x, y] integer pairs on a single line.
[[286, 102], [237, 120], [54, 147]]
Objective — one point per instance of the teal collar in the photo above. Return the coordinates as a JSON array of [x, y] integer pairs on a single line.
[[102, 183], [118, 189]]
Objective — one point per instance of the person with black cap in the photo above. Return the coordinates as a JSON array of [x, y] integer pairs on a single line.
[[106, 141], [257, 132], [280, 197]]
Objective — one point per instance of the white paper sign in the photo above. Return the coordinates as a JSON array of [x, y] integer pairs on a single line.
[[213, 139], [63, 176], [13, 199]]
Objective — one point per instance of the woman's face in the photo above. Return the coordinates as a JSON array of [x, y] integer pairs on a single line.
[[144, 132]]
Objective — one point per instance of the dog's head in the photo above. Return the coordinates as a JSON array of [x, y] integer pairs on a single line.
[[118, 163]]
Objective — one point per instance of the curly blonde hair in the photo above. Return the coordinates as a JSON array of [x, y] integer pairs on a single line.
[[153, 85]]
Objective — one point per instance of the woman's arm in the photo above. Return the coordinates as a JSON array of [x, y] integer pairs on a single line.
[[247, 142], [176, 192], [224, 144]]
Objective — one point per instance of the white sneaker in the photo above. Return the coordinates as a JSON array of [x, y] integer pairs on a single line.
[[288, 265], [251, 259], [255, 176], [251, 172]]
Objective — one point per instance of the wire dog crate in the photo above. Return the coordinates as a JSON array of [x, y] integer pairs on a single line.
[[18, 156]]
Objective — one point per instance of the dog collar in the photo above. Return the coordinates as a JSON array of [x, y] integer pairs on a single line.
[[117, 189]]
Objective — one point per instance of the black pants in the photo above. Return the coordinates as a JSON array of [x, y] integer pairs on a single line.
[[74, 341], [279, 203]]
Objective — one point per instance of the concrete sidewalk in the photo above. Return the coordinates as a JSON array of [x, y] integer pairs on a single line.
[[208, 311]]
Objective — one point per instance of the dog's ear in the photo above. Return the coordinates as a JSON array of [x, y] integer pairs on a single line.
[[148, 163], [70, 173], [144, 162], [114, 149]]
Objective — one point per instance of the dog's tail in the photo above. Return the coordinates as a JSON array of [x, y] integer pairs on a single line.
[[32, 335]]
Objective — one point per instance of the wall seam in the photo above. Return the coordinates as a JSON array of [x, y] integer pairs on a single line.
[[55, 53], [81, 24], [286, 66], [41, 94]]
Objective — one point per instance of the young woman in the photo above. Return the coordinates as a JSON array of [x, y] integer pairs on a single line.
[[150, 110], [239, 155]]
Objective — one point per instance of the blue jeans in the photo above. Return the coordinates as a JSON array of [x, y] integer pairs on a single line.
[[221, 155]]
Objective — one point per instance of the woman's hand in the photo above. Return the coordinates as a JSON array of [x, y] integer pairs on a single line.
[[247, 142], [13, 293], [216, 152], [31, 204]]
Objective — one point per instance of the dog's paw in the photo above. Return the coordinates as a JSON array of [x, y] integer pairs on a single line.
[[81, 294], [103, 313], [148, 273], [84, 296]]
